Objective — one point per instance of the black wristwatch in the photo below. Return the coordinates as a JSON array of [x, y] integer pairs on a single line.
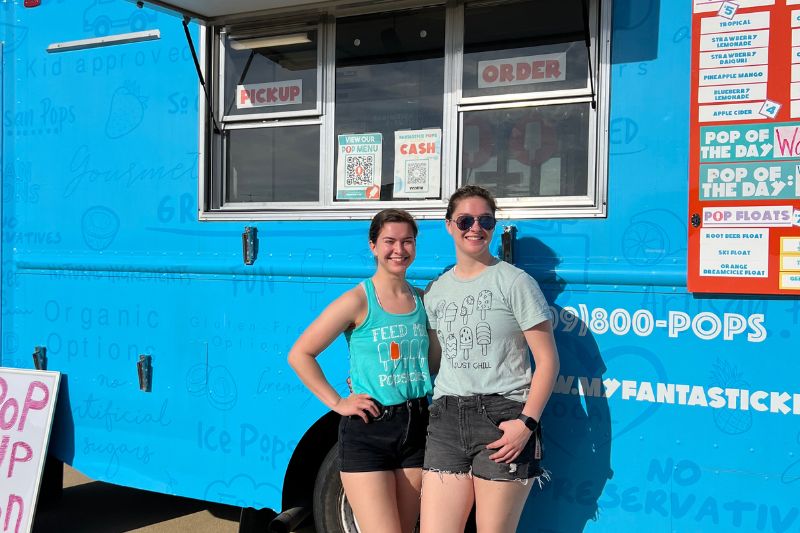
[[529, 422]]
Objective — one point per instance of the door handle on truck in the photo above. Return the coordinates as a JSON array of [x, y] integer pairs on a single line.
[[507, 244], [144, 369], [40, 358], [250, 244]]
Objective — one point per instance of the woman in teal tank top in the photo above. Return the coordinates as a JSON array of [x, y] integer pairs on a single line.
[[384, 421]]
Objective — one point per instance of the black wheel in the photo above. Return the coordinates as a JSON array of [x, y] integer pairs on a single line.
[[332, 513]]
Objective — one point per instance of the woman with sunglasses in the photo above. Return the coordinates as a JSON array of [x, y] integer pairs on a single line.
[[384, 420], [484, 439]]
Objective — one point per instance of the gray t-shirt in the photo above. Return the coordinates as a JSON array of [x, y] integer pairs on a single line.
[[479, 323]]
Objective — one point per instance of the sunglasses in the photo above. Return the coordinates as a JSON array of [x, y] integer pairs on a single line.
[[465, 222]]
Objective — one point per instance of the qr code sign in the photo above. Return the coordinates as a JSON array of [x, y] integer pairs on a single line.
[[359, 170], [417, 173]]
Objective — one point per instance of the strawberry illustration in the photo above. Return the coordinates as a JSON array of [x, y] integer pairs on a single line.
[[126, 111]]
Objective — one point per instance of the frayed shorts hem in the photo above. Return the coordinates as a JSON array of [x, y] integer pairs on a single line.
[[447, 471]]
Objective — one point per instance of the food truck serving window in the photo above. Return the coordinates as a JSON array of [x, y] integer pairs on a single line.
[[340, 113]]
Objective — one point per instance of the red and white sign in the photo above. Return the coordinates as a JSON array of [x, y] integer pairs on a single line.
[[27, 402], [745, 92], [522, 70], [269, 94]]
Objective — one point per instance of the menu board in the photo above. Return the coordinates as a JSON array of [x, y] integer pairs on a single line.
[[744, 158]]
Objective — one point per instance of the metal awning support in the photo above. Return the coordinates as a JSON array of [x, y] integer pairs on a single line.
[[200, 76], [587, 37]]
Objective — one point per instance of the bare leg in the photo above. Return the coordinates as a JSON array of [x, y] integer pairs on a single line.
[[408, 483], [446, 502], [373, 497], [499, 504]]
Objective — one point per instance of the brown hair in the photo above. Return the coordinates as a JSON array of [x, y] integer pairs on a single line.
[[382, 218], [469, 191]]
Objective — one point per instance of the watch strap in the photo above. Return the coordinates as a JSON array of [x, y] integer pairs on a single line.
[[530, 423]]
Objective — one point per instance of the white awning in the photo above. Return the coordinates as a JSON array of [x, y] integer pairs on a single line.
[[216, 10], [236, 11]]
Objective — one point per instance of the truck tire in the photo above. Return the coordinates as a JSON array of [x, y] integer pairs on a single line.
[[332, 513]]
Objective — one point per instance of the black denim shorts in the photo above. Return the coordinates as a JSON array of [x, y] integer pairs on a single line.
[[461, 427], [394, 439]]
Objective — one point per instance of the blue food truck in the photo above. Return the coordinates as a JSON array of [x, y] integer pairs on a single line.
[[187, 183]]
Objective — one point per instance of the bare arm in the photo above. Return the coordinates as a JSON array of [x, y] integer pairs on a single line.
[[515, 433], [545, 354], [434, 352], [343, 312]]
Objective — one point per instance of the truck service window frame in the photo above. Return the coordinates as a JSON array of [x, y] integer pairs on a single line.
[[512, 102]]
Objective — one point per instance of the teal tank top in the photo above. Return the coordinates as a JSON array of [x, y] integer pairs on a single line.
[[389, 352]]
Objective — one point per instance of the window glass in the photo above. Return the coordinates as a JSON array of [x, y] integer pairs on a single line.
[[279, 164], [389, 83], [527, 151], [267, 73], [306, 129], [524, 47]]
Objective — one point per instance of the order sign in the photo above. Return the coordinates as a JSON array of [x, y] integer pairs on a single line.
[[27, 402]]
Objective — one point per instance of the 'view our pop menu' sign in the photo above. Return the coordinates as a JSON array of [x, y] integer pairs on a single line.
[[744, 189]]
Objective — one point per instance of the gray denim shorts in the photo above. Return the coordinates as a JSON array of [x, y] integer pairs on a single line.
[[460, 427]]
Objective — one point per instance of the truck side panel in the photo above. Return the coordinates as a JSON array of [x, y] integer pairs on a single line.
[[104, 260]]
